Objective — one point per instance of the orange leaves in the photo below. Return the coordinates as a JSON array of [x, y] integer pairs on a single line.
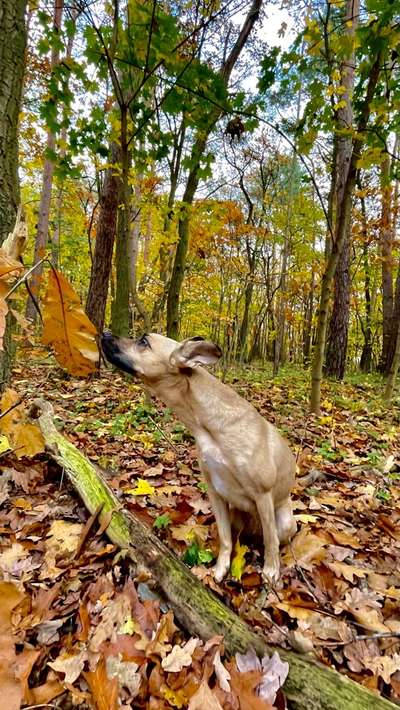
[[67, 329], [9, 267], [24, 436]]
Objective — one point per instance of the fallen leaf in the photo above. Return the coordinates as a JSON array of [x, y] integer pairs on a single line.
[[70, 663], [204, 699], [104, 690], [142, 488], [180, 657], [223, 675], [239, 560]]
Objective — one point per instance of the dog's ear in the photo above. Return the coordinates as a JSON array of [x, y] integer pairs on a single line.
[[195, 351]]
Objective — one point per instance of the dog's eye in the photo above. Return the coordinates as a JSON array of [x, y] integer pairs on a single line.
[[144, 341]]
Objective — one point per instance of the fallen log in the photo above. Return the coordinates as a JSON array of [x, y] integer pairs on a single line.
[[309, 686]]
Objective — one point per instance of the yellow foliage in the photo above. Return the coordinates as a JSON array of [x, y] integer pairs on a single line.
[[67, 329], [143, 488]]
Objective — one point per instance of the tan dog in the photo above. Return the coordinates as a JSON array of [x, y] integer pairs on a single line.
[[245, 461]]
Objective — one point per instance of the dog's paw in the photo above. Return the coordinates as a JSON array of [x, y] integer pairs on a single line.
[[221, 569], [271, 575]]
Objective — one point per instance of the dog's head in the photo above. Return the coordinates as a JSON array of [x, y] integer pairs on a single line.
[[153, 357]]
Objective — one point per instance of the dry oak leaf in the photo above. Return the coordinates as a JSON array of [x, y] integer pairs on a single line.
[[70, 663], [341, 569], [274, 672], [204, 699], [223, 675], [67, 329], [384, 666], [25, 437], [305, 549], [160, 644], [125, 672], [180, 657]]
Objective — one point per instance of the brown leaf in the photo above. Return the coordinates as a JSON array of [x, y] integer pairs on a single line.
[[26, 437], [67, 329], [204, 699], [104, 691]]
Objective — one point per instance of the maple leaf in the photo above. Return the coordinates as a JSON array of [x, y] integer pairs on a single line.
[[67, 329], [9, 266]]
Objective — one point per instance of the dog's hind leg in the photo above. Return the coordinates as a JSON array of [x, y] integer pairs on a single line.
[[285, 522]]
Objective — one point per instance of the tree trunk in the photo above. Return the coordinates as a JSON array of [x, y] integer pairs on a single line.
[[12, 62], [386, 243], [340, 235], [309, 686], [200, 142], [104, 243], [366, 354], [42, 231], [339, 322], [120, 315], [394, 368]]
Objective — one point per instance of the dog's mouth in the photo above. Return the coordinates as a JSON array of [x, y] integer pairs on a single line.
[[113, 353]]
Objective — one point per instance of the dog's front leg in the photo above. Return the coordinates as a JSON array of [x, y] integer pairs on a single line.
[[222, 518], [266, 511]]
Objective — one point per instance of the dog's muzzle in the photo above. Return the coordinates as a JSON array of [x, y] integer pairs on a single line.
[[113, 353]]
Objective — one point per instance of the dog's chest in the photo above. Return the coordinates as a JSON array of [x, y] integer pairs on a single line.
[[220, 472]]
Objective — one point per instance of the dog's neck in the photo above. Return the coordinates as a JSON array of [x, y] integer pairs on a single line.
[[182, 393]]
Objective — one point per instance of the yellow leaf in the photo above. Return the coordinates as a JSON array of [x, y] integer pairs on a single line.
[[4, 444], [326, 420], [67, 329], [24, 436], [143, 488], [341, 569], [238, 561]]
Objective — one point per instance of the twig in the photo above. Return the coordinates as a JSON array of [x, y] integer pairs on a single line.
[[162, 432], [86, 531], [25, 276], [13, 406]]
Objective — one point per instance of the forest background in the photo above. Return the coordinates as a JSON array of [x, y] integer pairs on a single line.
[[190, 176], [228, 170]]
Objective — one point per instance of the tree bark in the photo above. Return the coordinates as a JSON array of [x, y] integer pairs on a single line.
[[120, 315], [339, 322], [12, 64], [200, 142], [104, 243], [42, 231], [340, 234], [366, 354], [309, 686]]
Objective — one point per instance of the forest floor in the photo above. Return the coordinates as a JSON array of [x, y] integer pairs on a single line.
[[340, 590]]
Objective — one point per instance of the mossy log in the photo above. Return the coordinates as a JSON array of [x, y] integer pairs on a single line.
[[310, 686]]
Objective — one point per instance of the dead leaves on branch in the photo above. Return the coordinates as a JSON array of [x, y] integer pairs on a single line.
[[24, 437], [67, 329]]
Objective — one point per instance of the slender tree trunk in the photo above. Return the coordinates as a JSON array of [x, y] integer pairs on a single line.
[[395, 317], [104, 244], [366, 354], [42, 231], [12, 64], [394, 368], [175, 286], [386, 243], [339, 322], [120, 316]]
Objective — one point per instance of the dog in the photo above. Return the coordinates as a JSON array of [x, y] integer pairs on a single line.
[[246, 463]]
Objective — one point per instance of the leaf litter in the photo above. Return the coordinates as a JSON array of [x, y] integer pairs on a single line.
[[74, 627]]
